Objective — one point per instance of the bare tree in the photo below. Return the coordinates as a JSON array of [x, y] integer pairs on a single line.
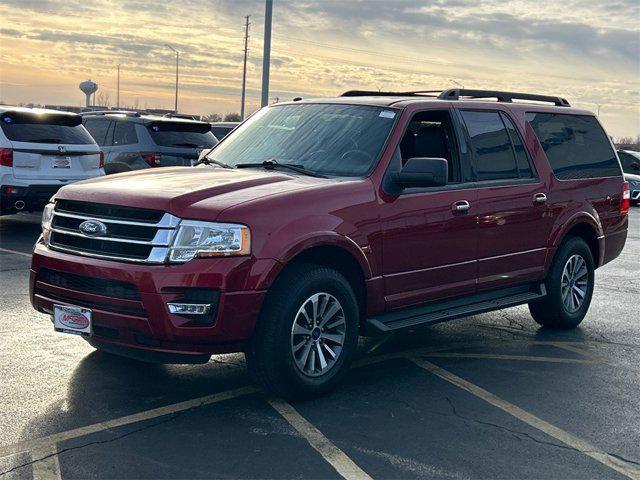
[[232, 117], [212, 117], [103, 99]]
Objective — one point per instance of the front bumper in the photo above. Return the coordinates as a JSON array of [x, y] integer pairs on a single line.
[[34, 197], [136, 319]]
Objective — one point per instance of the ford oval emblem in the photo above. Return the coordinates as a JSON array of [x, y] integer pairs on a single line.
[[93, 228]]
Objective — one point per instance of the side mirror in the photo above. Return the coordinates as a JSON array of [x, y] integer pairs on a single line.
[[422, 172]]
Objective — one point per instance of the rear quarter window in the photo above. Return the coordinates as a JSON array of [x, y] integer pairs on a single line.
[[576, 145], [44, 128], [182, 134]]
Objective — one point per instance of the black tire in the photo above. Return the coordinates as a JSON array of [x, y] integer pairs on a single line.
[[111, 168], [551, 311], [269, 352]]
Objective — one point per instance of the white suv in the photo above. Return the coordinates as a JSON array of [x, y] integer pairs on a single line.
[[41, 151]]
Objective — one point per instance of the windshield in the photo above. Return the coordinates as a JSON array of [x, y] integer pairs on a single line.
[[330, 139]]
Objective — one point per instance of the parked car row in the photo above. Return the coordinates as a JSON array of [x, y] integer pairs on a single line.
[[42, 150]]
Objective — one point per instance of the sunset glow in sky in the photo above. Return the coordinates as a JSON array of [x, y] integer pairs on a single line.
[[585, 50]]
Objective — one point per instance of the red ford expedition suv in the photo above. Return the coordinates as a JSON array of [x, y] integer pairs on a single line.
[[316, 221]]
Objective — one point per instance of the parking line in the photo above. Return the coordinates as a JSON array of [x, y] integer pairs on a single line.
[[45, 442], [46, 464], [332, 454], [15, 252], [526, 358], [567, 438], [573, 348]]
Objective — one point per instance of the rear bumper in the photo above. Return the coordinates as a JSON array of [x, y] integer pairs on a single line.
[[34, 197], [136, 322]]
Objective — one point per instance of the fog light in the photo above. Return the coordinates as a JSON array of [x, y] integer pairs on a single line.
[[189, 308]]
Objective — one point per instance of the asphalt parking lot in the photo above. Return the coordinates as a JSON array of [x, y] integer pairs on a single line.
[[489, 396]]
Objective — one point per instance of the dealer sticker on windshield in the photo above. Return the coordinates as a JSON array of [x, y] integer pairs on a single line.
[[76, 320], [387, 114]]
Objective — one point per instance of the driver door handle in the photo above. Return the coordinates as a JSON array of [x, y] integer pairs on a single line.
[[461, 206], [539, 198]]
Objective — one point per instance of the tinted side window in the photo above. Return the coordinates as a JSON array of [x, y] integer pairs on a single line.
[[124, 133], [630, 164], [522, 158], [97, 128], [491, 144], [576, 145]]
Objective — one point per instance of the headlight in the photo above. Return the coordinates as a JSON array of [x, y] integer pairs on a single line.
[[47, 214], [207, 239]]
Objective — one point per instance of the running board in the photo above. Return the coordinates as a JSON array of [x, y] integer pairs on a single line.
[[441, 311]]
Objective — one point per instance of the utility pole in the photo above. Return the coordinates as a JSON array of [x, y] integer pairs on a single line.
[[244, 65], [118, 90], [175, 108], [266, 56]]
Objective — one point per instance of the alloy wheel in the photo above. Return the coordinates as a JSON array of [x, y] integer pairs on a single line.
[[318, 334], [574, 283]]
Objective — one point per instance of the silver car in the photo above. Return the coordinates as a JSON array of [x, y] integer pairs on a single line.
[[132, 141]]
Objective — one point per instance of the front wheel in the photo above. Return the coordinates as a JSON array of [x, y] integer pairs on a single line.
[[307, 333], [569, 287]]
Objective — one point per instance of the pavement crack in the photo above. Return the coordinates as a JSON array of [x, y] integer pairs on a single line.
[[516, 433], [620, 457], [170, 418]]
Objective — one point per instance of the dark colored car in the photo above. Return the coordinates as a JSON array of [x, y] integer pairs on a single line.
[[630, 161], [317, 221], [132, 141]]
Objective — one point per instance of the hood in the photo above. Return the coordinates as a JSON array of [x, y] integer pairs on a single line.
[[188, 192]]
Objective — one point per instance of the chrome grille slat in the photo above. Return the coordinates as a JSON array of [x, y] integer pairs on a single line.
[[116, 247]]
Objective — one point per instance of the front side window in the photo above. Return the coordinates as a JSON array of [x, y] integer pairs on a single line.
[[491, 144], [575, 145], [44, 128], [329, 139]]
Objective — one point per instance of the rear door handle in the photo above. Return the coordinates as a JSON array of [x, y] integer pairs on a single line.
[[461, 206], [539, 198]]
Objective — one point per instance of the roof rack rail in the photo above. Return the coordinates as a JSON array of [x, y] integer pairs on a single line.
[[456, 93], [128, 113], [372, 93]]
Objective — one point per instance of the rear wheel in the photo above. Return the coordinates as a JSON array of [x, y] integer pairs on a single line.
[[306, 334], [569, 287]]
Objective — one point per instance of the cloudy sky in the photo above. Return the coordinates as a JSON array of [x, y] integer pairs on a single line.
[[585, 50]]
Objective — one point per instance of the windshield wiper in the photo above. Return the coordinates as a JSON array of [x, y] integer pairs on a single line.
[[273, 164], [212, 161], [192, 145]]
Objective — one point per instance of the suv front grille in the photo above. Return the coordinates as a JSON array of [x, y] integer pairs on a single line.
[[136, 235]]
